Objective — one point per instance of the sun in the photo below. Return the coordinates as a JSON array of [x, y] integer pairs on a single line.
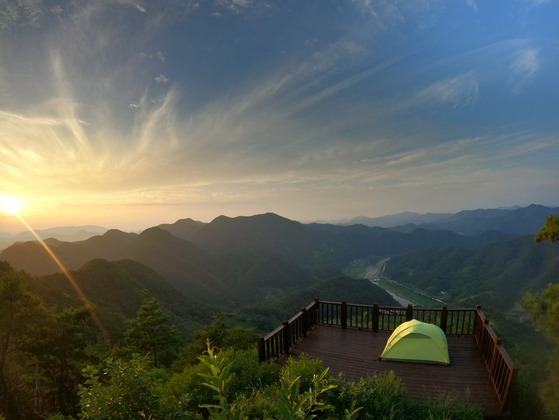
[[10, 204]]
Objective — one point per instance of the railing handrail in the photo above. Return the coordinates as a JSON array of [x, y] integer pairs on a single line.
[[460, 321], [498, 362]]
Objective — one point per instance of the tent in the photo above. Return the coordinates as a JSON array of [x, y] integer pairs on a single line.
[[416, 341]]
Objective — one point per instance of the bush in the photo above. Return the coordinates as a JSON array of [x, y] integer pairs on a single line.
[[186, 387], [305, 367], [379, 397], [123, 390]]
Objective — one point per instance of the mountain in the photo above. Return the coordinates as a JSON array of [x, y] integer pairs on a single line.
[[513, 221], [116, 289], [65, 233], [315, 245], [238, 261], [398, 219], [194, 265], [497, 274], [183, 228], [189, 269]]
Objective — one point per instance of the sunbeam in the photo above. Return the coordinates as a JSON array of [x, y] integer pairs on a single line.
[[87, 303]]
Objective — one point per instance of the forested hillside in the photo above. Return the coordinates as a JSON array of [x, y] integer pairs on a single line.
[[496, 275]]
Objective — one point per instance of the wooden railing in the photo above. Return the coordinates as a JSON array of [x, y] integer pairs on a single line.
[[279, 341], [499, 365], [386, 318]]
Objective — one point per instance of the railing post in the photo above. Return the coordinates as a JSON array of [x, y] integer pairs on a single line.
[[375, 317], [444, 318], [304, 322], [286, 341], [343, 314], [409, 312], [316, 315], [261, 350]]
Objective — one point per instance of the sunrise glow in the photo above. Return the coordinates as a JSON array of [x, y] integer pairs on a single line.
[[10, 204]]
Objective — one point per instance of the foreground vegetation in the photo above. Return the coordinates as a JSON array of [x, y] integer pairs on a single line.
[[56, 364]]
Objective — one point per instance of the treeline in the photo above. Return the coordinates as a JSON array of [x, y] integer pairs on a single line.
[[58, 363]]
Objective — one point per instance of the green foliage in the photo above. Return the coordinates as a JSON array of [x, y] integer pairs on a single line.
[[60, 352], [217, 380], [496, 275], [543, 308], [294, 404], [247, 372], [386, 398], [127, 389], [186, 387], [550, 232], [379, 397], [221, 334], [304, 367], [21, 317], [151, 333]]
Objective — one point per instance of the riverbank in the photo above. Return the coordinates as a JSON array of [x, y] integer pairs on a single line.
[[401, 294]]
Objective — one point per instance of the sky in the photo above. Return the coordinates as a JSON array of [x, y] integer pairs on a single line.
[[127, 114]]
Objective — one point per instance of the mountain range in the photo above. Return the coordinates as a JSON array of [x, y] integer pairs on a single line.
[[514, 221], [265, 264]]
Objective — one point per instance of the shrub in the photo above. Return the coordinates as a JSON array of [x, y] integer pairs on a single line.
[[305, 367], [379, 397]]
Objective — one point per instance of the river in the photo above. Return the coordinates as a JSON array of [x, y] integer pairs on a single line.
[[373, 273]]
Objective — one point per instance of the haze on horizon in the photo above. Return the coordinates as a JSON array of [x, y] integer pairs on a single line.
[[127, 114]]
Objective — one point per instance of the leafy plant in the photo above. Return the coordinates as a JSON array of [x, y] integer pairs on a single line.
[[217, 380], [294, 404]]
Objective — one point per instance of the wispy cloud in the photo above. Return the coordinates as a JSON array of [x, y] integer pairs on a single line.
[[456, 92], [524, 67], [473, 5], [161, 79]]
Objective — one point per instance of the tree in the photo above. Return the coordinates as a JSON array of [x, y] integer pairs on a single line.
[[550, 232], [543, 308], [60, 355], [21, 314], [150, 332]]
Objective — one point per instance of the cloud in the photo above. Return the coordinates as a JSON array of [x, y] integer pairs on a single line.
[[19, 12], [457, 92], [473, 5], [161, 79], [384, 12], [524, 66]]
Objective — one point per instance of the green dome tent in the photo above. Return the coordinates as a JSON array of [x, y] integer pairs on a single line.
[[416, 341]]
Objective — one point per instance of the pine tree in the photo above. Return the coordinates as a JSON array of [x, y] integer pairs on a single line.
[[151, 332]]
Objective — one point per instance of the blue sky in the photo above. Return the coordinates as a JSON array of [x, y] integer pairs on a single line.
[[133, 113]]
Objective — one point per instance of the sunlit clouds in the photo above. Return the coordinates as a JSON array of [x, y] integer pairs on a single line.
[[136, 113]]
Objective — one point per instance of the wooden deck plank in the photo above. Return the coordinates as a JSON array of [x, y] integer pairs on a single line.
[[355, 353]]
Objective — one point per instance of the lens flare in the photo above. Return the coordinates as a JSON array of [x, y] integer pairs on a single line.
[[87, 303], [10, 204]]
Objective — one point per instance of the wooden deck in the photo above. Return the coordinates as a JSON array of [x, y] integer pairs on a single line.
[[355, 353]]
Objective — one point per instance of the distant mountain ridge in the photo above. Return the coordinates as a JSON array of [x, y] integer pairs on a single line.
[[65, 233], [242, 260], [514, 221]]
